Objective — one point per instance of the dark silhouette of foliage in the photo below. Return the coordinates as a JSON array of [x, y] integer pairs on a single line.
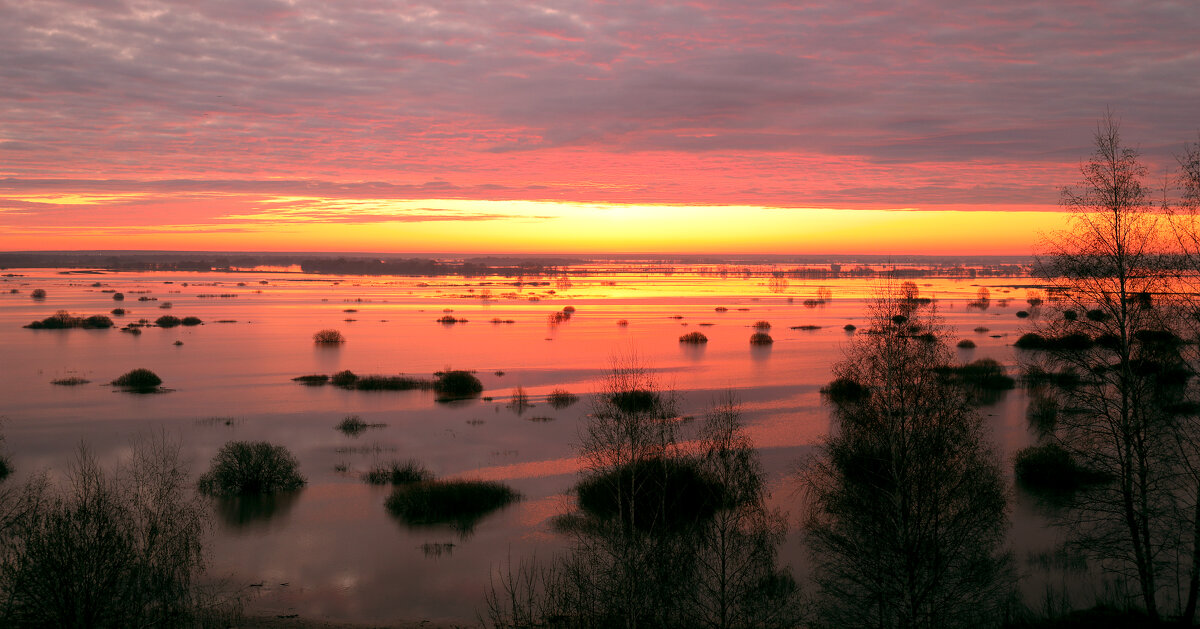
[[138, 380], [906, 506], [246, 468]]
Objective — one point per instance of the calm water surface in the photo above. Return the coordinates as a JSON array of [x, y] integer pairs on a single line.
[[332, 550]]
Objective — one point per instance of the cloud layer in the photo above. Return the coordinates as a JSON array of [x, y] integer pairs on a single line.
[[929, 104]]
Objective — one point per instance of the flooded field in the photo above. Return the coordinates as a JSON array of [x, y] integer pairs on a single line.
[[332, 550]]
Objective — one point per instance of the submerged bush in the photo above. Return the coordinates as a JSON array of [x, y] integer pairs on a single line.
[[38, 293], [344, 378], [167, 321], [762, 325], [399, 473], [695, 338], [845, 391], [661, 492], [70, 381], [315, 379], [190, 321], [63, 320], [1051, 469], [761, 338], [460, 504], [247, 468], [328, 337], [118, 297], [457, 384], [352, 425], [138, 380], [561, 398], [966, 344], [388, 383], [1073, 342]]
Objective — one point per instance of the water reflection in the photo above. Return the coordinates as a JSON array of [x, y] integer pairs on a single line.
[[664, 537], [255, 512]]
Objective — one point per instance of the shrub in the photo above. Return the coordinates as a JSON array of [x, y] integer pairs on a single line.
[[243, 468], [97, 322], [845, 390], [138, 380], [117, 311], [457, 384], [63, 320], [1051, 469], [1021, 314], [38, 293], [761, 338], [344, 378], [328, 337], [636, 401], [849, 327], [118, 296], [966, 344], [695, 338], [108, 550], [312, 380], [460, 504], [561, 398], [985, 373], [450, 320], [352, 425], [399, 473], [762, 325], [1069, 342], [651, 493], [190, 321], [167, 321]]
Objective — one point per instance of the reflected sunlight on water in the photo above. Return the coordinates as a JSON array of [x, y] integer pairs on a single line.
[[333, 543]]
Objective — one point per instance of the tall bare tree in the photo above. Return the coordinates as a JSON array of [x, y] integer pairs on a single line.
[[1116, 329]]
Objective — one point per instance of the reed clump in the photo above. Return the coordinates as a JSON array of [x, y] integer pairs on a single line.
[[398, 473]]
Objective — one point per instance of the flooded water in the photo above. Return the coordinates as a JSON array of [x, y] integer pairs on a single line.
[[332, 551]]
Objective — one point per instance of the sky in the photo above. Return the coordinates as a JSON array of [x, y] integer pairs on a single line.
[[930, 126]]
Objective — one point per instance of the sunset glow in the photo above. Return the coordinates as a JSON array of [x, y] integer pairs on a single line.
[[689, 127]]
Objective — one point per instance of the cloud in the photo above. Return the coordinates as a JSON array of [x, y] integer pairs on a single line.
[[859, 104]]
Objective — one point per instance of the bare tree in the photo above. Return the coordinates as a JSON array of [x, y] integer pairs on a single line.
[[906, 507], [1116, 329], [112, 550]]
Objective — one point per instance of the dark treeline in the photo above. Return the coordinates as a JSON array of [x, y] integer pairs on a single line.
[[509, 266]]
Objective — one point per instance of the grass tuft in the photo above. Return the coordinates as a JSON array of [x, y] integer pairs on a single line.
[[561, 398], [694, 338], [398, 473]]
